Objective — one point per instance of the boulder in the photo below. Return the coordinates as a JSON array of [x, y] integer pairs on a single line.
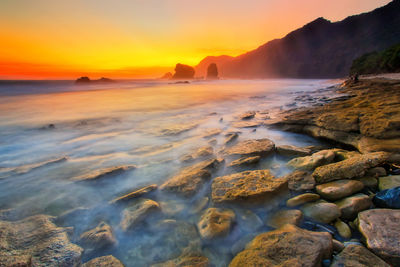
[[370, 182], [248, 148], [321, 211], [135, 194], [137, 212], [248, 221], [202, 152], [215, 223], [380, 227], [283, 217], [98, 238], [376, 172], [300, 181], [247, 186], [37, 241], [286, 246], [309, 163], [105, 261], [351, 206], [339, 189], [343, 228], [183, 72], [301, 199], [187, 259], [293, 151], [212, 72], [350, 168], [187, 182], [389, 182], [357, 256], [245, 161], [389, 198]]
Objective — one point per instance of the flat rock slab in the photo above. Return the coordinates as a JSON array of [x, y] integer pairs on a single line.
[[215, 223], [187, 182], [97, 175], [293, 151], [202, 152], [36, 241], [300, 181], [339, 189], [389, 182], [357, 256], [283, 217], [351, 206], [350, 168], [286, 246], [247, 186], [321, 211], [247, 148], [135, 194], [137, 213], [105, 261], [309, 163], [380, 227], [245, 161]]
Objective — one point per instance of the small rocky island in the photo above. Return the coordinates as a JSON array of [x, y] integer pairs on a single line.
[[87, 80]]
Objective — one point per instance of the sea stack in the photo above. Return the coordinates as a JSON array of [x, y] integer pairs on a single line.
[[212, 72], [183, 72]]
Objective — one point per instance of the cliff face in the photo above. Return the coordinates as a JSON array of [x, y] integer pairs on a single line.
[[320, 49]]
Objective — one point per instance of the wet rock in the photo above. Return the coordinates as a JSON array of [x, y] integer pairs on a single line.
[[194, 259], [230, 138], [293, 151], [135, 194], [202, 152], [351, 206], [370, 182], [211, 133], [247, 115], [245, 161], [343, 228], [248, 220], [286, 246], [350, 168], [172, 207], [97, 175], [256, 147], [183, 72], [215, 223], [337, 245], [309, 163], [199, 205], [247, 186], [191, 179], [339, 189], [98, 238], [177, 129], [105, 261], [389, 198], [380, 227], [321, 211], [283, 217], [357, 256], [301, 199], [37, 241], [137, 213], [300, 181], [389, 182], [376, 172], [247, 124]]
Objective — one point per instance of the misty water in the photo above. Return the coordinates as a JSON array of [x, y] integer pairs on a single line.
[[52, 133]]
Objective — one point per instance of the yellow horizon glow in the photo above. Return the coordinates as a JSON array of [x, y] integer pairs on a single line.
[[144, 38]]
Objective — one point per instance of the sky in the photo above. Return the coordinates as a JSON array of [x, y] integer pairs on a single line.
[[65, 39]]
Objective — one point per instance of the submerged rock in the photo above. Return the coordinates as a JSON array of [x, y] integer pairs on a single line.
[[37, 241], [202, 152], [380, 227], [187, 259], [135, 194], [255, 147], [137, 213], [302, 199], [247, 220], [215, 223], [389, 182], [286, 246], [389, 198], [97, 175], [343, 228], [357, 256], [290, 151], [98, 238], [245, 161], [321, 211], [300, 181], [309, 163], [105, 261], [230, 138], [247, 115], [191, 179], [351, 206], [339, 189], [350, 168], [283, 217], [247, 186]]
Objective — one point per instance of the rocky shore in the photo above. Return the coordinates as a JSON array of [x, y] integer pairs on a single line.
[[338, 206]]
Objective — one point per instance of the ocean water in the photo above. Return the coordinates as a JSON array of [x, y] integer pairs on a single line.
[[52, 133]]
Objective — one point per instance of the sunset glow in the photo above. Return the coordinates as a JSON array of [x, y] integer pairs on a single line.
[[143, 39]]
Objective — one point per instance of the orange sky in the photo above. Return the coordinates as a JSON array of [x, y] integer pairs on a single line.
[[54, 39]]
